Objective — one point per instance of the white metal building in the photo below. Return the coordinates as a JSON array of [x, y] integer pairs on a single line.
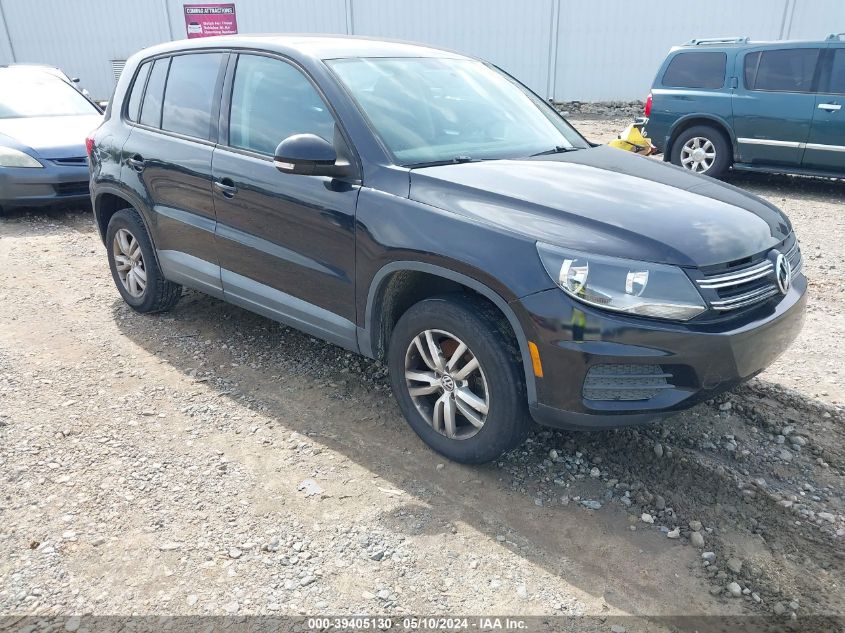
[[587, 50]]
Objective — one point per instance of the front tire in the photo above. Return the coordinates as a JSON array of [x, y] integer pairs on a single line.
[[134, 266], [457, 376], [704, 150]]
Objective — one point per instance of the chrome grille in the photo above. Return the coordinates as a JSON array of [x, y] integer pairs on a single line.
[[748, 286]]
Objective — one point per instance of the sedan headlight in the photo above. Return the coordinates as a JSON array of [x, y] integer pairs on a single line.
[[623, 285], [15, 158]]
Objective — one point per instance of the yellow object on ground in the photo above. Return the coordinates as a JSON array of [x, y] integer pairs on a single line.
[[632, 140]]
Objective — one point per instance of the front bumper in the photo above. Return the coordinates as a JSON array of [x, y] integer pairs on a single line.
[[701, 359], [52, 184]]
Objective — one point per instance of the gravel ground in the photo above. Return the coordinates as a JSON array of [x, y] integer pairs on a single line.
[[209, 461]]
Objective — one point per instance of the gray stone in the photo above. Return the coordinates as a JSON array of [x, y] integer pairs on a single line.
[[696, 539], [708, 556], [734, 564], [695, 526], [735, 590]]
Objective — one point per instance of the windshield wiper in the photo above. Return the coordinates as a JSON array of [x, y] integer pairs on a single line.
[[450, 161], [557, 149]]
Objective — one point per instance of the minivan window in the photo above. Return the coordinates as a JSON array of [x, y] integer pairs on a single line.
[[781, 70], [696, 70], [836, 83], [151, 110], [272, 100], [132, 110], [189, 94]]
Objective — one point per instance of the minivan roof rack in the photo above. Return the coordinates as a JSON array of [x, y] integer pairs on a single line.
[[834, 37], [718, 40]]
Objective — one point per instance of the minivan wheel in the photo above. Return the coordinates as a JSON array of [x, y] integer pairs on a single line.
[[134, 267], [702, 149], [458, 379]]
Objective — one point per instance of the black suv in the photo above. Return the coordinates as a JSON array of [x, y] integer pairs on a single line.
[[420, 206]]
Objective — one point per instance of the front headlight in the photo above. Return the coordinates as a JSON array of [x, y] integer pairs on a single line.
[[15, 158], [623, 285]]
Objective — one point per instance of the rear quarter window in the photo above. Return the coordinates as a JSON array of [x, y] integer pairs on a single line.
[[134, 107], [696, 70], [781, 70]]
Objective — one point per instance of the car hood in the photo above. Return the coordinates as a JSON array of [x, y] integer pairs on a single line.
[[50, 137], [606, 201]]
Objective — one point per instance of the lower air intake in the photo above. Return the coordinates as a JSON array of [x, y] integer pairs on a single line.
[[625, 382]]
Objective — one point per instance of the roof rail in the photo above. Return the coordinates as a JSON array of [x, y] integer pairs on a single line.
[[718, 40], [835, 37]]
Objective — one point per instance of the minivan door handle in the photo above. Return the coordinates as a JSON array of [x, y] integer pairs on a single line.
[[226, 187], [830, 107], [136, 162]]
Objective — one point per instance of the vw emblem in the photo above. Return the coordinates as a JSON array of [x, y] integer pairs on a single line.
[[783, 273], [447, 382]]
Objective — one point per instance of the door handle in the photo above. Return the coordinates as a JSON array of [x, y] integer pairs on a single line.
[[830, 107], [136, 162], [226, 187]]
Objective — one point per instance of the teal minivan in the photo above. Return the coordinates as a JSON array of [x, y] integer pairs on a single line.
[[718, 104]]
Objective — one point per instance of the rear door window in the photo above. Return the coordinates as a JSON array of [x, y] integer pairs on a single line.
[[151, 110], [696, 70], [836, 82], [189, 95], [781, 70], [134, 107]]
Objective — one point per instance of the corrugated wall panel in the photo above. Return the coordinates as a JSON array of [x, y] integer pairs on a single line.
[[816, 19], [610, 50], [275, 16], [82, 37], [513, 35], [6, 56], [569, 49]]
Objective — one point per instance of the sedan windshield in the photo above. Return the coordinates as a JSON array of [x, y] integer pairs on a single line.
[[39, 94], [441, 110]]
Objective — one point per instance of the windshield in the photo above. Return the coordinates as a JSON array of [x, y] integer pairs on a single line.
[[39, 94], [429, 110]]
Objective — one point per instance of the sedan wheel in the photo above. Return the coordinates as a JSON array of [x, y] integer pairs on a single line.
[[129, 263], [698, 154], [447, 384]]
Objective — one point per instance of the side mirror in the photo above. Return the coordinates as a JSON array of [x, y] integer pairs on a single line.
[[308, 155]]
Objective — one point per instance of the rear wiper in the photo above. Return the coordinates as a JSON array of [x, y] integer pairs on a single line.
[[450, 161], [557, 149]]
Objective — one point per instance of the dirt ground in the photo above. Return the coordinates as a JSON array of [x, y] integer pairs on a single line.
[[209, 461]]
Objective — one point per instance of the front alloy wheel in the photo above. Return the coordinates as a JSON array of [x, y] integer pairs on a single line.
[[457, 374], [129, 263], [447, 384]]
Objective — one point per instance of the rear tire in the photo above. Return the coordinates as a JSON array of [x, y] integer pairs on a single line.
[[134, 266], [470, 415], [703, 149]]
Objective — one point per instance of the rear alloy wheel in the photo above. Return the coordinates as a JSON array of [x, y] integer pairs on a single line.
[[702, 149], [134, 267], [458, 377], [698, 154], [129, 263]]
